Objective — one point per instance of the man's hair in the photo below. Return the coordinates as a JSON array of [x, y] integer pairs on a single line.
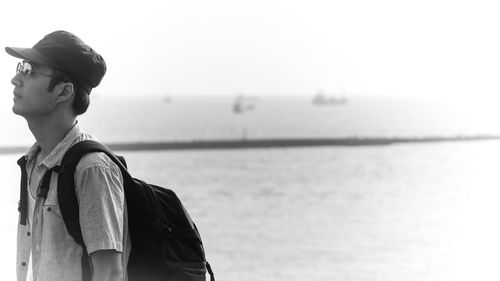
[[81, 101]]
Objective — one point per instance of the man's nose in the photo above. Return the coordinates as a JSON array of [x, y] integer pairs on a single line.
[[17, 80]]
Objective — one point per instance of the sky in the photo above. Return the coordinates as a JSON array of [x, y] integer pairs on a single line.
[[431, 49]]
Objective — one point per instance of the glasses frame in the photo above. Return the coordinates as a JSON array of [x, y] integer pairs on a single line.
[[25, 71]]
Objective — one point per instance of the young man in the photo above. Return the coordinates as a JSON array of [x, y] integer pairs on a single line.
[[51, 88]]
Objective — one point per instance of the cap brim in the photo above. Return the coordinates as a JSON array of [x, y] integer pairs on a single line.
[[29, 54]]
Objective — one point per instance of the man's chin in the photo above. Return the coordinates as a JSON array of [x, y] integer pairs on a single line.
[[16, 111]]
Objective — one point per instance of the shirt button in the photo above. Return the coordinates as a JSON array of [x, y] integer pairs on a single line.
[[23, 264], [29, 233], [49, 209]]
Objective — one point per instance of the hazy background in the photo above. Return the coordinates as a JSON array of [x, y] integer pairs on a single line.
[[433, 49]]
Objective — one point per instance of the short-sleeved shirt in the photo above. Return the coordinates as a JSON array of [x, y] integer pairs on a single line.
[[102, 211]]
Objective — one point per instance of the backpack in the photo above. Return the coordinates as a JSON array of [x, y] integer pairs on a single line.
[[166, 244]]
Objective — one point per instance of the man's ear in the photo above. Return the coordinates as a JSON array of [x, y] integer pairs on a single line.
[[66, 91]]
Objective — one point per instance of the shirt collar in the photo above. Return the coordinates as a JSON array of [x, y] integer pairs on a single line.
[[32, 152]]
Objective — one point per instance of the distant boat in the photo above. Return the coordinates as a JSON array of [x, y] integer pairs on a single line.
[[323, 99], [242, 104], [167, 99]]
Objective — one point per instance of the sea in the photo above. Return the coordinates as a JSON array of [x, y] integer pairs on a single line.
[[400, 212]]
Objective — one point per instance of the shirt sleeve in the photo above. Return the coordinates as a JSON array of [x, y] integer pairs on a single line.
[[99, 188]]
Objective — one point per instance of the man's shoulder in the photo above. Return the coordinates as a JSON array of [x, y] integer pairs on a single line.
[[94, 159]]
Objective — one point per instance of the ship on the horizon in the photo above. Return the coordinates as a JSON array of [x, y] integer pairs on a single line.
[[243, 103], [321, 98]]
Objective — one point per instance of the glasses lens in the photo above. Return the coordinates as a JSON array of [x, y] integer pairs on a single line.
[[23, 68], [19, 67]]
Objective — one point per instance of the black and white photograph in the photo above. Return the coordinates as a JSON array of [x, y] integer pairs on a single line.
[[238, 140]]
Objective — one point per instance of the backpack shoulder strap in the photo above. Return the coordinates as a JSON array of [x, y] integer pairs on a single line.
[[23, 204], [66, 193]]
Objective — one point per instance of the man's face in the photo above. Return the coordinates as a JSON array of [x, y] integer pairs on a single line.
[[31, 95]]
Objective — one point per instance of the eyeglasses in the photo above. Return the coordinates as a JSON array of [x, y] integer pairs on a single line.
[[25, 68]]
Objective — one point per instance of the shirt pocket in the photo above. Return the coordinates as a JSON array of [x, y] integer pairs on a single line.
[[51, 211], [50, 207]]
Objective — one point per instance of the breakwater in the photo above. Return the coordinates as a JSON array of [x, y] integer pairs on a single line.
[[271, 143]]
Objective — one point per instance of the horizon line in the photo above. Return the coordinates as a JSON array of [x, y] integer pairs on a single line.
[[270, 143]]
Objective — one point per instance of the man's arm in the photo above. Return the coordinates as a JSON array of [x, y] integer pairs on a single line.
[[102, 205], [107, 265]]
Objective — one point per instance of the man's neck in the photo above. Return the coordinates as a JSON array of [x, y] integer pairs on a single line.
[[48, 132]]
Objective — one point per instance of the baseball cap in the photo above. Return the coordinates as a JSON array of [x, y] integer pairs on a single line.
[[65, 51]]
